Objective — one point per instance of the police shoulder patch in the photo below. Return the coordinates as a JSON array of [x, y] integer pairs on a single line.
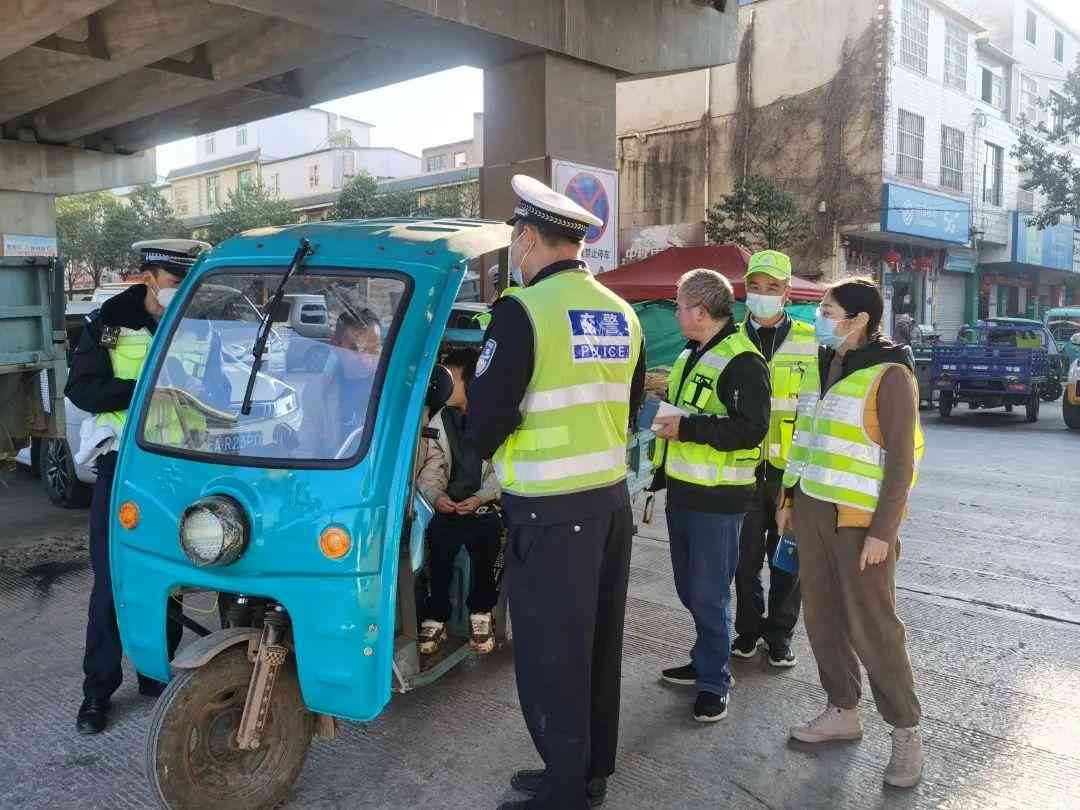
[[485, 356]]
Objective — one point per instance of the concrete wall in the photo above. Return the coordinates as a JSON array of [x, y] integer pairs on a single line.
[[472, 149], [673, 165]]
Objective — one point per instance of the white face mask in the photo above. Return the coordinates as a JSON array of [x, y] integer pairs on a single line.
[[764, 307], [516, 271], [165, 296]]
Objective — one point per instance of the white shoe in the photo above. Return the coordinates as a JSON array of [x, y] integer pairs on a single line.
[[906, 763], [432, 636], [482, 638], [832, 724]]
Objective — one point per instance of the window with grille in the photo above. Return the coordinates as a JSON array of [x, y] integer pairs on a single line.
[[1057, 112], [244, 177], [437, 163], [1059, 46], [313, 175], [1025, 200], [241, 136], [275, 182], [909, 155], [1029, 98], [993, 88], [210, 147], [956, 52], [180, 202], [914, 35], [952, 158], [212, 192], [1032, 27], [992, 174]]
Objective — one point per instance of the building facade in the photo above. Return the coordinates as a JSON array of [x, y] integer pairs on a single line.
[[292, 133], [457, 155], [893, 125]]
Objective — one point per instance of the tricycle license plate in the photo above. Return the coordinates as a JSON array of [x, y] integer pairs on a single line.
[[235, 442]]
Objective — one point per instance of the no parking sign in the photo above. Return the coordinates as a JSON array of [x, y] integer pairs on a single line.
[[596, 190]]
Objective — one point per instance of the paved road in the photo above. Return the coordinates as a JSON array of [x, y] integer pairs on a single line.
[[27, 515], [989, 586]]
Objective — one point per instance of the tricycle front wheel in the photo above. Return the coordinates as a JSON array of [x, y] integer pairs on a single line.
[[1033, 406], [191, 753]]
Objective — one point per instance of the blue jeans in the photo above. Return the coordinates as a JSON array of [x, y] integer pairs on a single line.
[[704, 556]]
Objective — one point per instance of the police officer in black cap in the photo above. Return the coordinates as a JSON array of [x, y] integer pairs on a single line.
[[101, 381], [557, 387]]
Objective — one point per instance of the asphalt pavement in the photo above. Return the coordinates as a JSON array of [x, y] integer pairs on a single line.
[[988, 585]]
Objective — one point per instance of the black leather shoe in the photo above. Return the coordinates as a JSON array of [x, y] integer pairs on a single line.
[[531, 780], [148, 687], [93, 715]]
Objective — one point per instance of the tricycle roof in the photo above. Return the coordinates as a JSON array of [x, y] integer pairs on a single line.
[[437, 242]]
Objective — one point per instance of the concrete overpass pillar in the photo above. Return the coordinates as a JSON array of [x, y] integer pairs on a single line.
[[542, 107]]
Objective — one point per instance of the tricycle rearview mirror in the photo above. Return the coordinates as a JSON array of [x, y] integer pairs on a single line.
[[439, 389], [1075, 339]]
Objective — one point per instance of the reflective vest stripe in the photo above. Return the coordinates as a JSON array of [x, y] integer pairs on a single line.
[[801, 348], [781, 404], [709, 472], [719, 362], [564, 468], [584, 394]]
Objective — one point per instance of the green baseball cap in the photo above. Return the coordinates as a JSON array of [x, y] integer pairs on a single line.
[[771, 263]]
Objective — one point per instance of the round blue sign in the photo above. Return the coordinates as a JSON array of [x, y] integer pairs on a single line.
[[588, 191]]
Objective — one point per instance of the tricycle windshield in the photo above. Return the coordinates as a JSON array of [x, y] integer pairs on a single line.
[[316, 391]]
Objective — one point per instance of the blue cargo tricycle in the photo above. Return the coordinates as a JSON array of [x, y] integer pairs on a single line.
[[273, 472]]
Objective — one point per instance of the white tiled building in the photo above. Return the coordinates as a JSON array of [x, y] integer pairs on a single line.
[[960, 77]]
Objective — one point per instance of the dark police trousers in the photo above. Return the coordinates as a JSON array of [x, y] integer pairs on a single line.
[[101, 662], [567, 590], [757, 543]]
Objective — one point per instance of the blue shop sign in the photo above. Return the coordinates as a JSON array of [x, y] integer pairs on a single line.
[[961, 260], [1051, 247], [920, 213]]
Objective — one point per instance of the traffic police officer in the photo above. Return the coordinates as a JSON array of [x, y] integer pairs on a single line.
[[790, 349], [558, 384], [101, 381]]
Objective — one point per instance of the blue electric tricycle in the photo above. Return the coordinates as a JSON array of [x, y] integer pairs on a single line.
[[268, 476]]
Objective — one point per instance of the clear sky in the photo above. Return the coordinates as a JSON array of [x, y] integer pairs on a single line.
[[410, 115]]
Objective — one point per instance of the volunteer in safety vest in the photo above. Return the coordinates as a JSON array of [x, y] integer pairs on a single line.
[[790, 349], [709, 448], [853, 462], [558, 383], [106, 363]]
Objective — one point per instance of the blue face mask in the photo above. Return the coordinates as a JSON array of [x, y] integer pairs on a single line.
[[825, 332]]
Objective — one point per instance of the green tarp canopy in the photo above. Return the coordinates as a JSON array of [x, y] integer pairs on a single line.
[[664, 340]]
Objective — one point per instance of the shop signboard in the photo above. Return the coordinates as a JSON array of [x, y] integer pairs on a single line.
[[1052, 247], [920, 213]]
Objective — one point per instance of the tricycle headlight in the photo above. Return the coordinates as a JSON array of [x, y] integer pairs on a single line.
[[213, 531]]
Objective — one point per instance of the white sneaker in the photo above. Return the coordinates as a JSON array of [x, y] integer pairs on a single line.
[[832, 724], [906, 763], [482, 638], [432, 636]]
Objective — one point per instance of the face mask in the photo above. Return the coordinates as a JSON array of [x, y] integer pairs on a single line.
[[825, 332], [165, 296], [516, 272], [764, 307]]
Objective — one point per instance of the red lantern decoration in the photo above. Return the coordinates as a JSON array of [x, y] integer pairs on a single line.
[[924, 263], [892, 258]]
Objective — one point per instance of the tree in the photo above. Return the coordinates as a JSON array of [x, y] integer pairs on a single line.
[[1044, 155], [155, 215], [360, 199], [250, 205], [80, 219], [759, 216], [453, 201]]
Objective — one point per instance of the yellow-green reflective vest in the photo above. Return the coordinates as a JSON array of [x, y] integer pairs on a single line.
[[163, 420], [833, 457], [576, 408], [793, 359], [695, 391]]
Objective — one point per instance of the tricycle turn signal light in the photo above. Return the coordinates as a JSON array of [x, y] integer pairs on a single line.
[[129, 515], [334, 542]]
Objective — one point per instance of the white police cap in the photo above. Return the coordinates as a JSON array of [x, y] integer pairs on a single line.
[[175, 255], [539, 204]]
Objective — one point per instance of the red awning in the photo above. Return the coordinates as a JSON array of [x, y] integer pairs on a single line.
[[654, 278]]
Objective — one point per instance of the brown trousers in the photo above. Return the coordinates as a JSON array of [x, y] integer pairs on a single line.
[[850, 615]]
